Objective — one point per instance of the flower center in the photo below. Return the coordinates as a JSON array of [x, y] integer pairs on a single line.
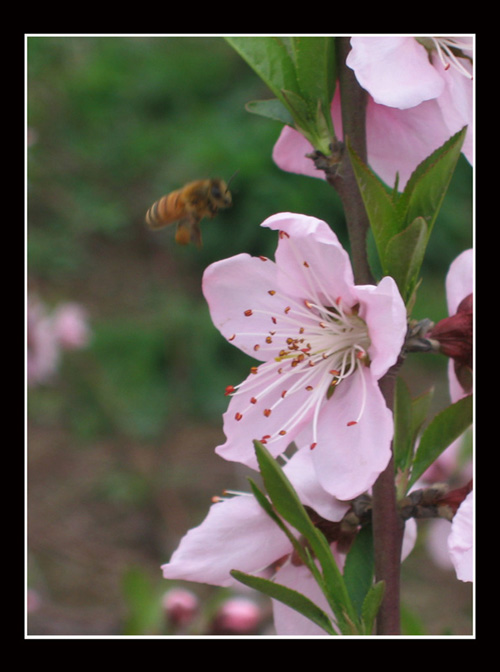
[[321, 346], [450, 51]]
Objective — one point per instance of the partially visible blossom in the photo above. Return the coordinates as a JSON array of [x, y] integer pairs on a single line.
[[419, 94], [324, 343], [454, 334], [237, 616], [181, 606], [238, 534], [461, 539]]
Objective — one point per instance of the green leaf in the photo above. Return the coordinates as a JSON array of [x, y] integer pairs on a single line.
[[404, 254], [290, 597], [409, 416], [379, 204], [425, 190], [300, 71], [314, 59], [371, 605], [440, 433], [359, 567], [271, 60], [288, 505], [272, 109]]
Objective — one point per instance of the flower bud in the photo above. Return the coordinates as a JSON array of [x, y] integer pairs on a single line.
[[237, 616], [454, 338], [180, 606]]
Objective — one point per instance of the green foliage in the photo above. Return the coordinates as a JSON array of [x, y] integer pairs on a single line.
[[402, 223], [300, 71]]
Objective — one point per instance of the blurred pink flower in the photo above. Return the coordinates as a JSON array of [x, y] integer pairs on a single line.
[[237, 616], [419, 95], [181, 606], [70, 323], [66, 328], [324, 343]]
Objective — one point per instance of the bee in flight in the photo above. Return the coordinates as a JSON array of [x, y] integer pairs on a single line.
[[187, 206]]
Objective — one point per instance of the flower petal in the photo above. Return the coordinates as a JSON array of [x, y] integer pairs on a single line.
[[239, 294], [268, 410], [300, 470], [395, 70], [311, 262], [236, 534], [461, 540], [383, 310], [349, 457]]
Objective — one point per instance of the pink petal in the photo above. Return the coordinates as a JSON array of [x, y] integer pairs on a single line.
[[461, 540], [238, 293], [236, 534], [311, 262], [349, 457], [384, 312], [395, 70], [258, 411], [300, 470], [460, 280], [287, 621]]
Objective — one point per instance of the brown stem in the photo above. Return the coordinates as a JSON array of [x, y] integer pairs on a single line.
[[388, 529], [353, 99]]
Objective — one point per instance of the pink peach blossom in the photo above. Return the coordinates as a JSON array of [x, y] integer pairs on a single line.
[[323, 343], [418, 97]]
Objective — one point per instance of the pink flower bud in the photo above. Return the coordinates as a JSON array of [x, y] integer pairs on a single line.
[[70, 326], [237, 616], [180, 606]]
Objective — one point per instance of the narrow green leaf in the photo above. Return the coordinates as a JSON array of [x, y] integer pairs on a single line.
[[359, 567], [440, 433], [289, 506], [403, 422], [290, 597], [404, 254], [425, 190], [272, 109], [371, 605]]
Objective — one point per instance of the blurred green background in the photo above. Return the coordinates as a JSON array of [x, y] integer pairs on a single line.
[[120, 456]]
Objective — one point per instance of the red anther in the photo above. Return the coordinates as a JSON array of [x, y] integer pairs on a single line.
[[231, 338], [256, 347], [287, 309], [248, 312], [238, 416], [309, 388], [272, 292], [262, 258], [307, 303], [265, 437], [267, 412], [334, 372], [312, 446], [282, 432], [352, 422], [254, 369], [273, 320], [283, 234], [269, 339], [253, 400], [306, 264], [283, 394], [229, 390]]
